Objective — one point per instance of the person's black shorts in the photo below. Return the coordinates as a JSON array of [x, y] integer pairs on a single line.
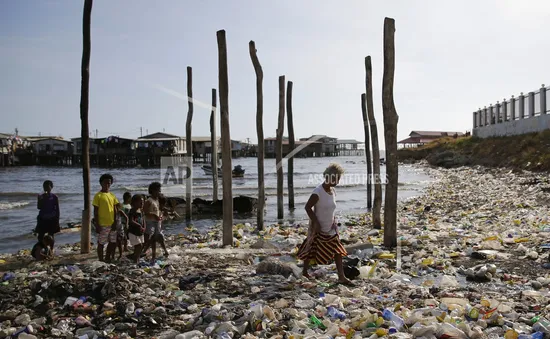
[[46, 226]]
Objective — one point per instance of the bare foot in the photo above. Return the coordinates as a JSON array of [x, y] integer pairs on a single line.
[[307, 276]]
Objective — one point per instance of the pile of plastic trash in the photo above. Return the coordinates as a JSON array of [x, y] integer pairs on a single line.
[[471, 263]]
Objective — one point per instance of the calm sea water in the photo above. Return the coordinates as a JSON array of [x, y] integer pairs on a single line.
[[19, 187]]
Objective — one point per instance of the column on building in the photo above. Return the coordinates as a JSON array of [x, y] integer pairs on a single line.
[[521, 106]]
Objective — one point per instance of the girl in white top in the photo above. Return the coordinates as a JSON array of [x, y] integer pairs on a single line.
[[323, 243]]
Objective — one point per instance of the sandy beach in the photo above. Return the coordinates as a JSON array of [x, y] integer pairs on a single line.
[[470, 265]]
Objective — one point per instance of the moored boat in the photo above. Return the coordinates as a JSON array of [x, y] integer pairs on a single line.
[[208, 169], [238, 171]]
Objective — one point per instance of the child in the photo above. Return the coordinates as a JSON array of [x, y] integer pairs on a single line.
[[126, 207], [106, 207], [168, 210], [323, 243], [153, 217], [48, 216], [136, 226], [41, 250], [163, 212], [120, 221]]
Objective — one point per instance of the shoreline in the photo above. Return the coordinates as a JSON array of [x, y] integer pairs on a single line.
[[18, 205], [467, 219], [351, 198]]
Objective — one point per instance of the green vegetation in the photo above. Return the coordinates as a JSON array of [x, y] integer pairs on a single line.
[[528, 151]]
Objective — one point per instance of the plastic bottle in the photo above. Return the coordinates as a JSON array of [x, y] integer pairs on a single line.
[[70, 301], [511, 334], [130, 308], [381, 332], [394, 318], [8, 276], [473, 313], [335, 313], [316, 322], [210, 329], [81, 321], [79, 302], [447, 330], [18, 334], [536, 335], [543, 325], [38, 300], [189, 335], [109, 312]]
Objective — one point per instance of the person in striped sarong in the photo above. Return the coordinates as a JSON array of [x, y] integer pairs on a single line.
[[322, 244]]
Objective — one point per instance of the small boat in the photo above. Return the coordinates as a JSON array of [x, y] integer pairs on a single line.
[[382, 161], [208, 169], [238, 172]]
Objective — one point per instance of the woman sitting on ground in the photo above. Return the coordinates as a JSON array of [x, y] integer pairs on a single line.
[[323, 243]]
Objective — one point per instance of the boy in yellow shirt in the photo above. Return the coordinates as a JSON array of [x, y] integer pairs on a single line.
[[106, 207]]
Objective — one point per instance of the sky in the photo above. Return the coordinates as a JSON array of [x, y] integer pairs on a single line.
[[452, 57]]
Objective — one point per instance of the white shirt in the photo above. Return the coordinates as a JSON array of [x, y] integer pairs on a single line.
[[324, 209]]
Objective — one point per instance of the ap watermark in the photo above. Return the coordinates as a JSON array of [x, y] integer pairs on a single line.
[[352, 179], [176, 171]]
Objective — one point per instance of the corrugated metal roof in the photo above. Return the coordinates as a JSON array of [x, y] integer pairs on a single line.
[[56, 139], [160, 135], [436, 133], [348, 141]]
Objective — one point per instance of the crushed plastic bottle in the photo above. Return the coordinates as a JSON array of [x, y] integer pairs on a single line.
[[70, 301], [536, 335], [396, 320], [316, 322], [130, 308], [335, 313], [189, 335], [542, 325]]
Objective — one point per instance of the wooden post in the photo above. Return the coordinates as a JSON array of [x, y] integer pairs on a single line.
[[214, 148], [376, 219], [291, 146], [188, 139], [260, 132], [367, 149], [85, 232], [223, 85], [390, 135], [279, 148]]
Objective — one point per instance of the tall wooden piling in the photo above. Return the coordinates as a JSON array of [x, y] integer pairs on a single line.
[[260, 132], [279, 148], [376, 219], [214, 147], [367, 149], [189, 140], [85, 232], [223, 86], [390, 135], [291, 146]]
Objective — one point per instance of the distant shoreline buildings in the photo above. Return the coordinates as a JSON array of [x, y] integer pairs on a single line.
[[147, 151]]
